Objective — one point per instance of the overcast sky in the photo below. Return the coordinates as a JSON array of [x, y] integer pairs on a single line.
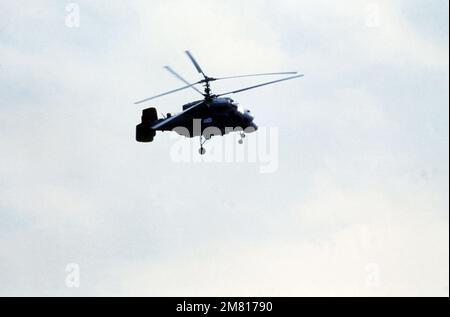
[[357, 206]]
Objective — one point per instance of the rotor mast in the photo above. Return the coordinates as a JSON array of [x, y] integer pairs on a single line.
[[206, 82]]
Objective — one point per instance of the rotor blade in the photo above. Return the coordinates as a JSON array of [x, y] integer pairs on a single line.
[[174, 73], [257, 75], [164, 94], [260, 85], [197, 66], [159, 125]]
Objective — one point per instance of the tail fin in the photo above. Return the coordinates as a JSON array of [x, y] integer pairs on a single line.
[[144, 131]]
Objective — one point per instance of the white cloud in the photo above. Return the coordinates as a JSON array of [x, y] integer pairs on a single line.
[[379, 250], [362, 190]]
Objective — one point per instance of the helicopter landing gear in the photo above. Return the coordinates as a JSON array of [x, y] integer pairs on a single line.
[[241, 141], [202, 150]]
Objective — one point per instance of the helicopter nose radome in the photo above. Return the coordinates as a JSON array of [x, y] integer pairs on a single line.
[[252, 126]]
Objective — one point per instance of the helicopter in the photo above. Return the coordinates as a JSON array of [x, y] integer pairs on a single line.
[[205, 118]]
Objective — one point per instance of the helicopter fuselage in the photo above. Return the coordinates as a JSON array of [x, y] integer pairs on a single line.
[[219, 116]]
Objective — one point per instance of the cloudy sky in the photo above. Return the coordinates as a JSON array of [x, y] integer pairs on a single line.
[[358, 202]]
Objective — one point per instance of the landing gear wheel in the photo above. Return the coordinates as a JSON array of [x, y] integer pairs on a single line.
[[242, 135], [203, 140]]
